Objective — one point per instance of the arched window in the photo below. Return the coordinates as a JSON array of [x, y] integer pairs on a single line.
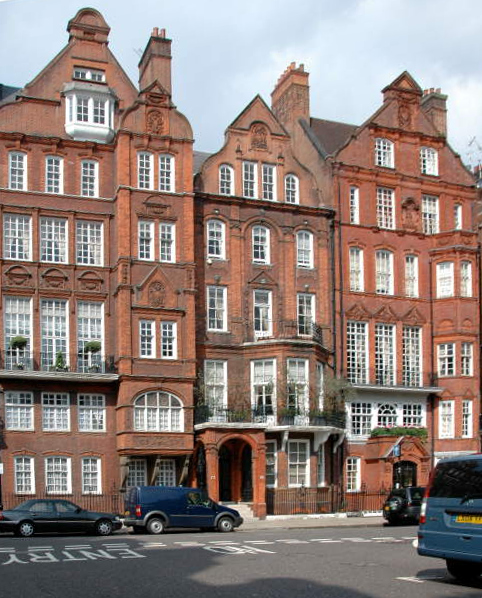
[[158, 412], [387, 416], [261, 249], [292, 189], [216, 239], [226, 179]]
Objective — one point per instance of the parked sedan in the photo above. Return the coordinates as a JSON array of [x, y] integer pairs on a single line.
[[56, 516]]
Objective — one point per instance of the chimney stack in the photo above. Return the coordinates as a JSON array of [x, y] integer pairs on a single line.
[[434, 104], [290, 99], [156, 61]]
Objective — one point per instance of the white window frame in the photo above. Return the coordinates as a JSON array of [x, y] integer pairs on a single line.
[[384, 153], [226, 180], [467, 359], [167, 242], [216, 385], [54, 327], [268, 182], [458, 217], [292, 189], [167, 173], [297, 384], [24, 476], [250, 180], [17, 237], [467, 418], [17, 171], [305, 313], [145, 235], [446, 419], [260, 236], [168, 340], [167, 473], [89, 242], [385, 354], [411, 275], [145, 170], [91, 469], [89, 178], [466, 278], [446, 358], [54, 235], [217, 308], [55, 412], [156, 416], [271, 464], [430, 214], [357, 351], [54, 174], [302, 468], [19, 410], [17, 321], [88, 74], [90, 327], [137, 475], [304, 249], [353, 474], [445, 279], [354, 205], [413, 415], [429, 161], [147, 339], [360, 414], [412, 361], [384, 274], [91, 413], [357, 272], [60, 467], [215, 239], [262, 313], [263, 386], [385, 208], [321, 466]]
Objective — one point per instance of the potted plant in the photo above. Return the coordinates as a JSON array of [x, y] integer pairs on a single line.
[[18, 342], [60, 365], [318, 417], [93, 346], [287, 415]]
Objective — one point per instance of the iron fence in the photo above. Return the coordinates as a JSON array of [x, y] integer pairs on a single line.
[[104, 503]]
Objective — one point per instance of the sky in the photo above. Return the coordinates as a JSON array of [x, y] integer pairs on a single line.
[[227, 51]]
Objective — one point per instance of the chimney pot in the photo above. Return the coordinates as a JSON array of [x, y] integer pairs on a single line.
[[163, 33], [155, 32]]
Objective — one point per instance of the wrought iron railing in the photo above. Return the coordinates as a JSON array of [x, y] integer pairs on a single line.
[[285, 329], [92, 363]]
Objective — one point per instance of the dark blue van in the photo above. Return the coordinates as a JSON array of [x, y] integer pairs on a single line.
[[451, 516], [155, 508]]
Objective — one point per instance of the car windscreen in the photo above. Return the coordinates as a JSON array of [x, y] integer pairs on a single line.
[[416, 494], [458, 479]]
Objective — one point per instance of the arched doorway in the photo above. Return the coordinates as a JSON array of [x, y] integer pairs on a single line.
[[404, 474], [235, 471]]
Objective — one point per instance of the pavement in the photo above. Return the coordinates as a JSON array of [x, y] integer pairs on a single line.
[[313, 521]]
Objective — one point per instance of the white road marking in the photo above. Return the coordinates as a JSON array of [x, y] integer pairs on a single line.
[[356, 539], [327, 541], [258, 542], [223, 542], [412, 579], [30, 548], [190, 543], [293, 541], [77, 546]]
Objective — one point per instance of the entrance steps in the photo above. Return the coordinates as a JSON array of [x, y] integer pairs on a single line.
[[243, 508]]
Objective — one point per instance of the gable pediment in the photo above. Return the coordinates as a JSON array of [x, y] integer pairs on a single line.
[[256, 115], [413, 317], [386, 314], [155, 290], [358, 312], [263, 279]]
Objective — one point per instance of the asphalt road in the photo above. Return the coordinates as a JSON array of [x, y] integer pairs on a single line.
[[334, 562]]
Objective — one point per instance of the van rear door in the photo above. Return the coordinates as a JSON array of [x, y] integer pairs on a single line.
[[454, 508]]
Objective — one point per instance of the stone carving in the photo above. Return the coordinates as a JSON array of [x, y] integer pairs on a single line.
[[259, 135], [410, 214], [404, 116], [17, 275], [155, 122], [157, 294], [90, 281], [54, 278]]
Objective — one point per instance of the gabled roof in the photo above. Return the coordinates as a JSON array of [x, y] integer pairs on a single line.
[[7, 92], [198, 160], [256, 109], [330, 134]]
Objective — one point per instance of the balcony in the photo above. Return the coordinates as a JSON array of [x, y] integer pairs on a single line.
[[284, 330], [267, 417], [15, 363], [407, 380]]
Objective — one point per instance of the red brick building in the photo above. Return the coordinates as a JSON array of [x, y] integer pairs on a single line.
[[407, 277], [97, 273], [264, 334]]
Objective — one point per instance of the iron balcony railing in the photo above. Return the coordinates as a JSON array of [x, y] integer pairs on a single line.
[[284, 330], [283, 417], [92, 363]]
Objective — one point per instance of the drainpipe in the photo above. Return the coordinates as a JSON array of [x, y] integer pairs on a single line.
[[340, 274], [480, 335], [333, 290], [431, 398]]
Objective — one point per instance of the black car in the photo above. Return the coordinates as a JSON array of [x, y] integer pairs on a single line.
[[55, 515], [403, 504]]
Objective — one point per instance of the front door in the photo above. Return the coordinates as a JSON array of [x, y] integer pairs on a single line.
[[247, 475], [404, 474], [225, 474]]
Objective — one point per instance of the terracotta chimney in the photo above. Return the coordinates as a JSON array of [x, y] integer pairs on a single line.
[[434, 104], [156, 61], [290, 99]]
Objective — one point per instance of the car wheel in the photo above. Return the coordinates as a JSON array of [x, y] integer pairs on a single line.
[[155, 526], [463, 570], [225, 524], [25, 529], [103, 527]]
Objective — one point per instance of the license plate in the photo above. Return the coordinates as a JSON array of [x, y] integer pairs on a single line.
[[476, 519]]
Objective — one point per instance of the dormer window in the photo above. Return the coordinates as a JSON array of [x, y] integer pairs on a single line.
[[89, 112], [89, 74]]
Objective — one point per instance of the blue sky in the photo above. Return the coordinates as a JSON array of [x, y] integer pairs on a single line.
[[227, 51]]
